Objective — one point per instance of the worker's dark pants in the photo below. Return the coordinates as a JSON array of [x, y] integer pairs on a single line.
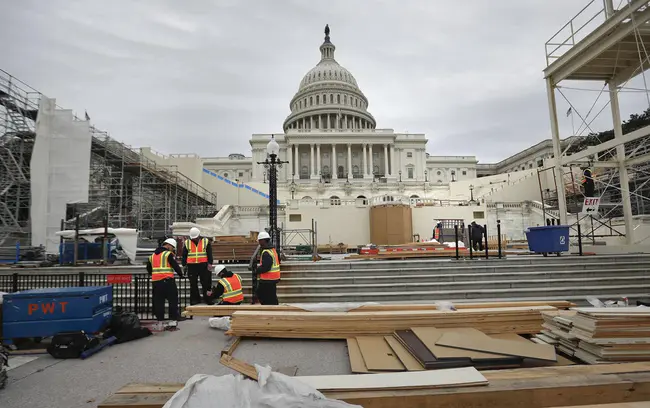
[[228, 303], [589, 188], [267, 292], [165, 290], [477, 244], [196, 273]]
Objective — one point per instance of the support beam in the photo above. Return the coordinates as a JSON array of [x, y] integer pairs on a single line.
[[557, 152], [622, 169], [638, 160], [610, 144]]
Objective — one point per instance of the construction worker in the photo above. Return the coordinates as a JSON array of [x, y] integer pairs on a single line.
[[588, 182], [161, 267], [197, 256], [476, 236], [267, 271], [228, 288]]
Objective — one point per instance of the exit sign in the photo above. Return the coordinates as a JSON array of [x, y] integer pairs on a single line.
[[590, 205]]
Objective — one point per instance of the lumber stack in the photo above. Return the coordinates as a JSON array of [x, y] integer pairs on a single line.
[[557, 331], [343, 325], [233, 248], [601, 335], [228, 310], [622, 385]]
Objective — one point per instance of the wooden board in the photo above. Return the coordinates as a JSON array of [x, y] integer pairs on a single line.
[[498, 346], [430, 336], [231, 346], [641, 404], [357, 365], [224, 310], [410, 362], [453, 377], [239, 366], [377, 354], [342, 325]]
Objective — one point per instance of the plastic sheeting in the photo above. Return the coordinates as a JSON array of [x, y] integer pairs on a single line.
[[272, 390], [59, 171], [221, 323], [127, 237], [330, 307]]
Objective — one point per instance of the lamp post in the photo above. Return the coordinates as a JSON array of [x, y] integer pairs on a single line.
[[453, 176], [425, 176], [400, 175], [272, 163], [471, 193], [292, 187]]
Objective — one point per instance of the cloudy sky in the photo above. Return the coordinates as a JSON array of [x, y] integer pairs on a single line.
[[200, 76]]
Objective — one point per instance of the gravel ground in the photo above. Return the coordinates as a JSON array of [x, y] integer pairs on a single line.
[[163, 357]]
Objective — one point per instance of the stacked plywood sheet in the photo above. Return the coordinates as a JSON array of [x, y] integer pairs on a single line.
[[343, 325], [557, 331], [233, 248], [225, 310]]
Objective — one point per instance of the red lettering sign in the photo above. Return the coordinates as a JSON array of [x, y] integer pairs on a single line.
[[117, 279], [46, 308]]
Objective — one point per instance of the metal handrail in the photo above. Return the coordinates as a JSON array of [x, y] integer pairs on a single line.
[[570, 41]]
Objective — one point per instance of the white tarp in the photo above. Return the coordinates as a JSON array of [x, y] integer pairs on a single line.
[[59, 170], [128, 238], [272, 390]]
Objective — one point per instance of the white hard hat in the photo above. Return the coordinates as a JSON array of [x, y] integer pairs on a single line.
[[219, 268], [171, 241], [194, 232], [263, 235]]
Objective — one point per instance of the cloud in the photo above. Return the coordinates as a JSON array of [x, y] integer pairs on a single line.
[[202, 76]]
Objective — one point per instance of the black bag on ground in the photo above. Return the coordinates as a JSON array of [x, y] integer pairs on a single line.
[[126, 327], [71, 344]]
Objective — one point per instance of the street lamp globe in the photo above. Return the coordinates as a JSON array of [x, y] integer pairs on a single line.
[[273, 148]]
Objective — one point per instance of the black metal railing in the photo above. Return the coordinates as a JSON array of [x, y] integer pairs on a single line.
[[131, 292]]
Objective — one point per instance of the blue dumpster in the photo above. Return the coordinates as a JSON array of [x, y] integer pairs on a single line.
[[46, 312], [548, 239]]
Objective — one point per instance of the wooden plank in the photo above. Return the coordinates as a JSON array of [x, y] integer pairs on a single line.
[[231, 346], [410, 362], [498, 346], [453, 377], [524, 393], [641, 404], [156, 400], [357, 365], [377, 354], [564, 371], [430, 336], [138, 388], [239, 366]]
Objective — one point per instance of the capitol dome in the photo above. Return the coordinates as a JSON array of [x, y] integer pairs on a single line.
[[329, 97]]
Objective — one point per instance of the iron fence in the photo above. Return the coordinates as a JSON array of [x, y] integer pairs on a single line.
[[132, 292]]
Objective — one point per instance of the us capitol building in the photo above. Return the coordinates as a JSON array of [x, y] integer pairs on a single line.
[[335, 150]]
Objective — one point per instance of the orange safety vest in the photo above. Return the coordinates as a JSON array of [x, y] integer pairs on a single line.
[[274, 273], [196, 253], [160, 267], [232, 289]]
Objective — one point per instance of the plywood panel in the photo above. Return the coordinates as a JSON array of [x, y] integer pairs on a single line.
[[356, 359], [377, 354], [454, 377], [498, 346], [410, 362]]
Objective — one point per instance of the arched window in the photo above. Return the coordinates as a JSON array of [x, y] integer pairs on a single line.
[[326, 171], [331, 98], [334, 200], [338, 99], [345, 99], [363, 199], [318, 99], [306, 198], [415, 196], [311, 101], [225, 175], [339, 172], [355, 170], [375, 169]]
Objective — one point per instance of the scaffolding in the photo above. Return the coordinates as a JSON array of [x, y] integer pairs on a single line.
[[132, 190], [608, 44]]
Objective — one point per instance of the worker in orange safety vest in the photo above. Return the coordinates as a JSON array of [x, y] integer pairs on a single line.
[[161, 266], [197, 256], [228, 288], [268, 271]]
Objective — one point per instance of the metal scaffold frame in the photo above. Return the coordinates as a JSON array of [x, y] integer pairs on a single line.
[[133, 190], [612, 51]]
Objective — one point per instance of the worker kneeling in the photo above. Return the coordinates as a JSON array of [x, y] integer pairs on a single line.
[[228, 288]]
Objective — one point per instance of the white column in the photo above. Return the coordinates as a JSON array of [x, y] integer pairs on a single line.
[[557, 152], [334, 165], [289, 168], [311, 162], [370, 156], [622, 169], [329, 122], [311, 122], [392, 160], [416, 156], [318, 166], [364, 162], [349, 161], [385, 160], [296, 161]]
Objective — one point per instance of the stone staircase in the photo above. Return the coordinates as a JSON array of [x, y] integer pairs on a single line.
[[566, 278]]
